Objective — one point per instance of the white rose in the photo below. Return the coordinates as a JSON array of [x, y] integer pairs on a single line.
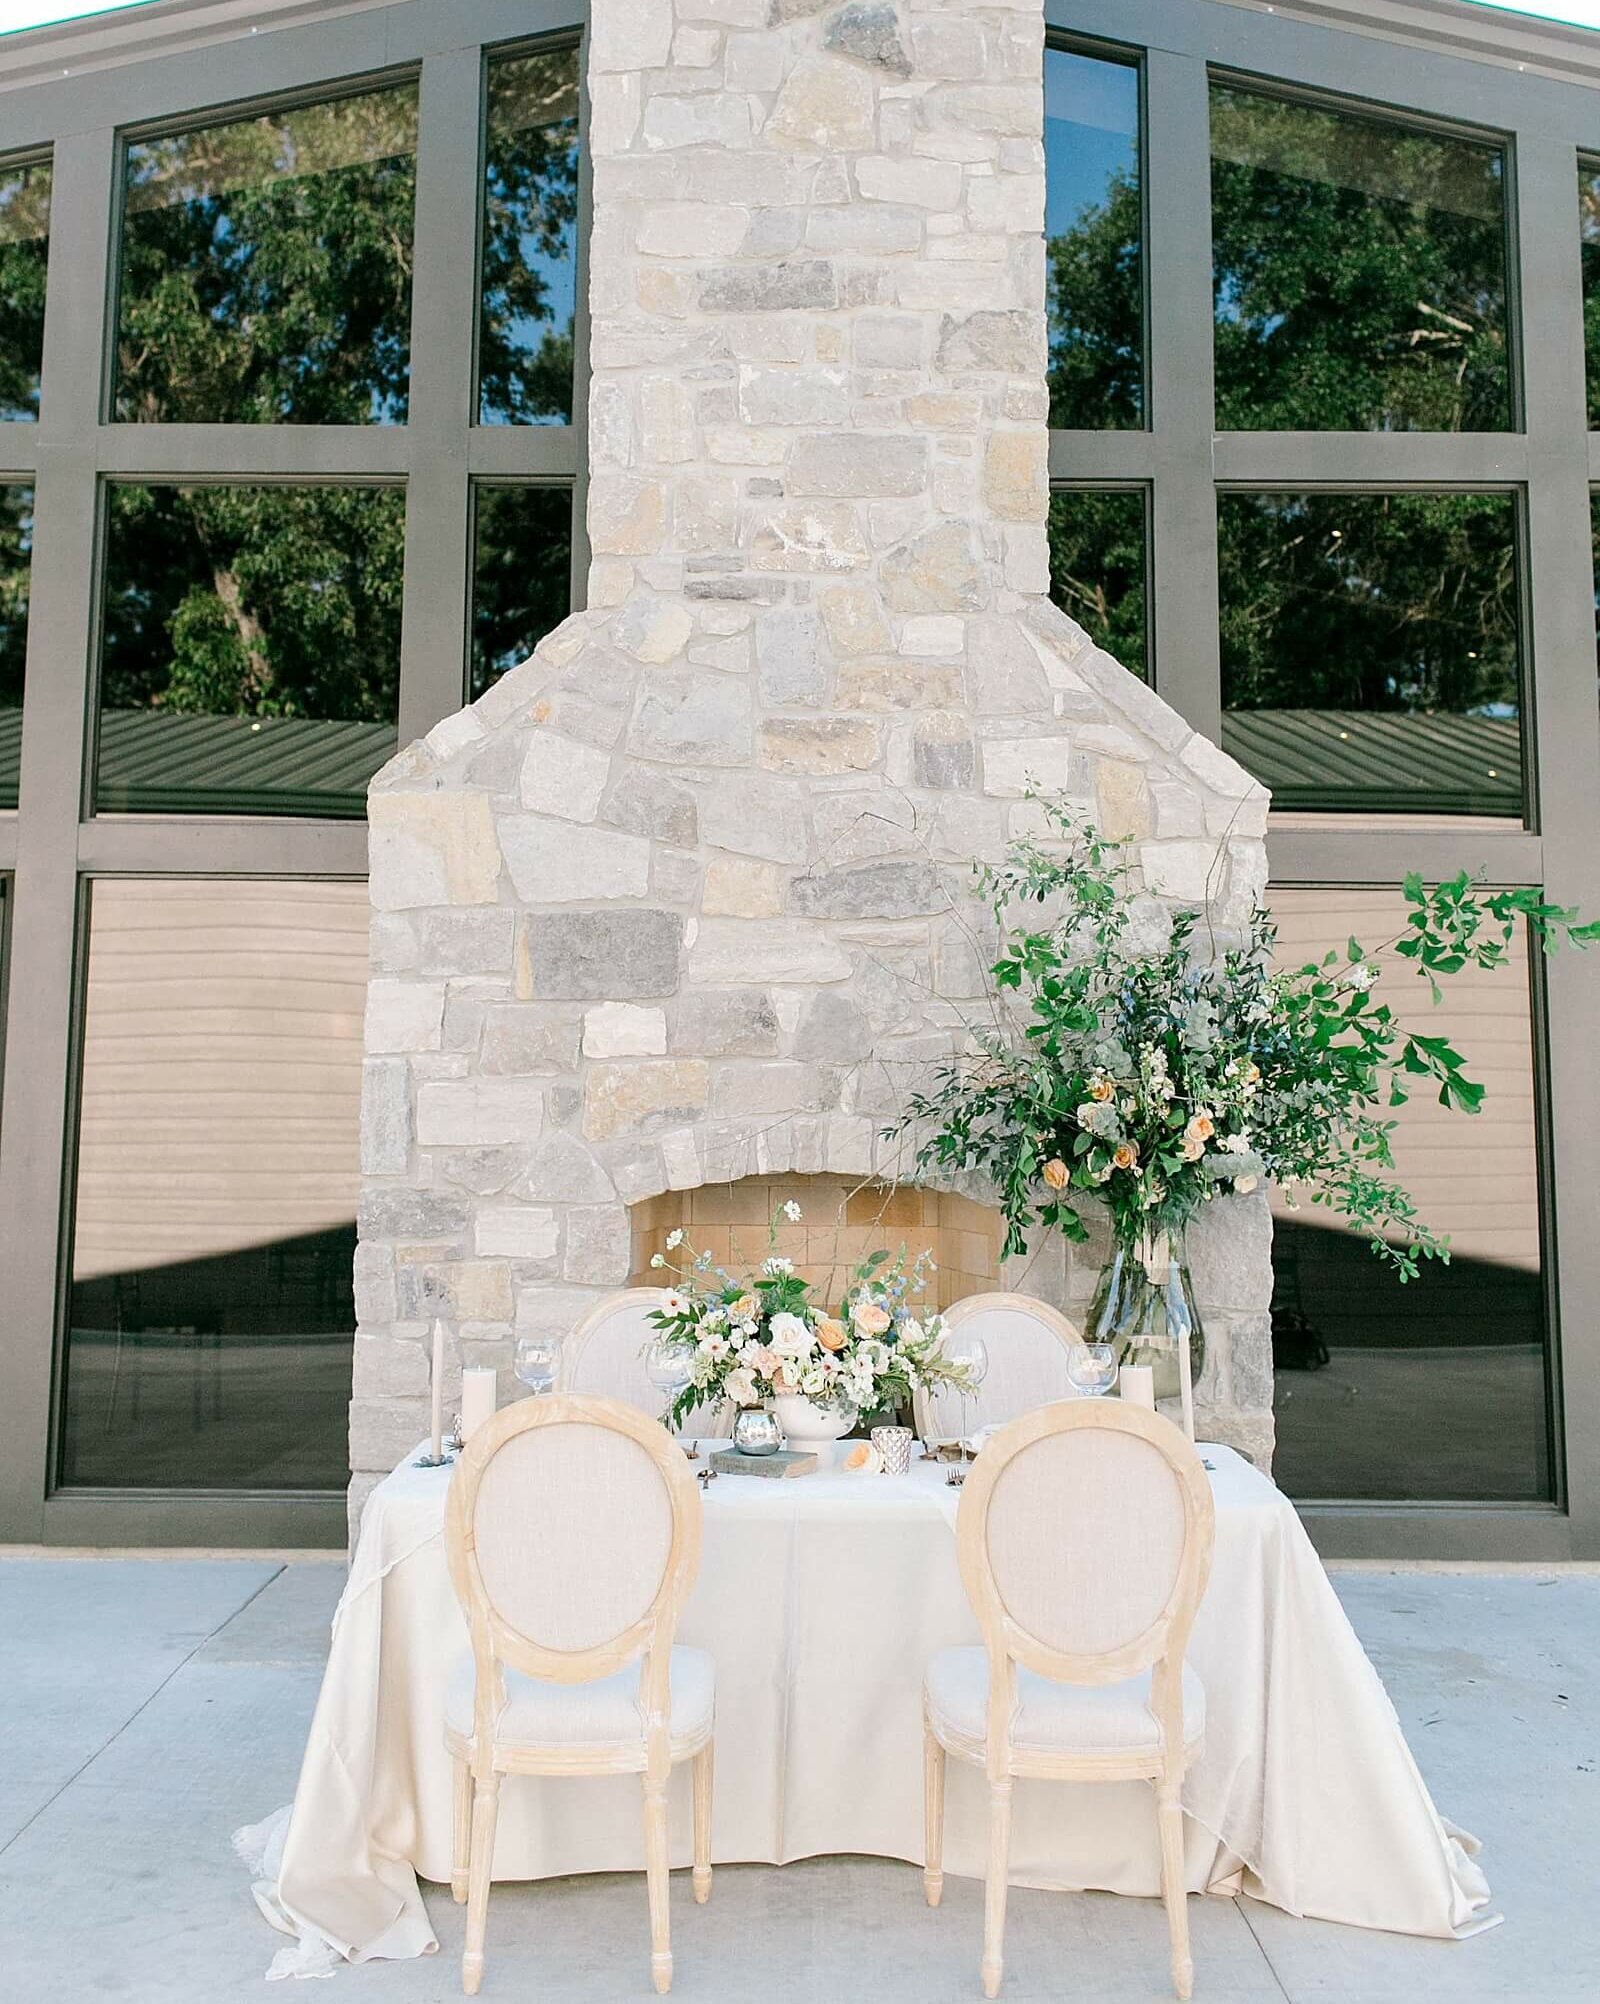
[[790, 1337], [741, 1388], [911, 1330], [674, 1239], [814, 1382]]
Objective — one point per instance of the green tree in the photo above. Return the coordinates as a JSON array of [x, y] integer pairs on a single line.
[[24, 252], [1097, 568]]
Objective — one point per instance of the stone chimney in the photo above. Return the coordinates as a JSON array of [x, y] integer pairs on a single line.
[[686, 897]]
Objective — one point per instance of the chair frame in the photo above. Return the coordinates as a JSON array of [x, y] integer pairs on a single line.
[[1062, 1327], [1161, 1645], [573, 1346], [481, 1762]]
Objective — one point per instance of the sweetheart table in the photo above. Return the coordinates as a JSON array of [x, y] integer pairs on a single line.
[[821, 1598]]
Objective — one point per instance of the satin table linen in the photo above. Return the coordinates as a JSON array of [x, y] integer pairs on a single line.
[[821, 1599]]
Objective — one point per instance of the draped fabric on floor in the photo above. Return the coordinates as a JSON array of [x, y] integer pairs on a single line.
[[821, 1600]]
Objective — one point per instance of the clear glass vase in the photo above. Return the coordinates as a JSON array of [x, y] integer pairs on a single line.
[[1144, 1306]]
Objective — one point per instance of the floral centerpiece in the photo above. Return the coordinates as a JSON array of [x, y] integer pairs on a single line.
[[765, 1335], [1156, 1064]]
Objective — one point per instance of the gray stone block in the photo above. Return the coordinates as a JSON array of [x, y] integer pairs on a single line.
[[607, 956], [871, 34], [727, 1022], [692, 717], [894, 887]]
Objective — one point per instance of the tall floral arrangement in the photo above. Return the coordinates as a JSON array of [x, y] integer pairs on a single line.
[[764, 1332], [1157, 1073]]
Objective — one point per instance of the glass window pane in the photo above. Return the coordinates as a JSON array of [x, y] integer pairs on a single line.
[[521, 575], [266, 268], [1094, 242], [1370, 650], [251, 653], [211, 1319], [1097, 568], [24, 253], [1360, 270], [530, 240], [1433, 1391], [1589, 227], [16, 552]]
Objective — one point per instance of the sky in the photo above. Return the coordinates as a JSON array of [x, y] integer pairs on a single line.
[[31, 13]]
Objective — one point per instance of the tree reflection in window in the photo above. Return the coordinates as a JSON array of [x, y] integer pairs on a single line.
[[1360, 272], [16, 553], [521, 575], [1093, 242], [1097, 568], [266, 268], [251, 653], [24, 255], [530, 241], [1373, 640]]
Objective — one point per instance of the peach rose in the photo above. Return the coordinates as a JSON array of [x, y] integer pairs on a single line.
[[830, 1334], [1055, 1172], [869, 1318], [745, 1309], [1126, 1156], [1102, 1089], [1201, 1128]]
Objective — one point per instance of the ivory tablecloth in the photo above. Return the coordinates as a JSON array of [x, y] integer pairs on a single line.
[[821, 1599]]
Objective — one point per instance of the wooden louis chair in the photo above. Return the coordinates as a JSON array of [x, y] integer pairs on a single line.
[[573, 1535], [605, 1357], [1084, 1538], [1028, 1343]]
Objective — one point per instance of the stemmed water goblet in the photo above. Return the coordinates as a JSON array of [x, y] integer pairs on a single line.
[[1092, 1369], [669, 1365], [970, 1355], [535, 1361]]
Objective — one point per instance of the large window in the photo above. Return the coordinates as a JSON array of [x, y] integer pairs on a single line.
[[530, 240], [251, 653], [1360, 272], [24, 255], [1436, 1390], [16, 548], [266, 268], [1094, 241], [1370, 649], [521, 575], [210, 1319]]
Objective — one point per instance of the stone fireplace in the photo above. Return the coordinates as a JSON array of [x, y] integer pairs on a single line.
[[682, 907]]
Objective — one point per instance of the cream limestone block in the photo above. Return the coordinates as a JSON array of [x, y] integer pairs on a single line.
[[614, 103], [624, 1030], [754, 814], [562, 777], [933, 633], [642, 1095], [1013, 766], [826, 106], [1015, 478], [751, 952], [667, 433], [654, 630], [741, 887], [937, 571], [469, 1113], [627, 517], [821, 537], [793, 395], [631, 38], [522, 1233], [1122, 801], [898, 685], [558, 862], [818, 745], [431, 849], [854, 618], [719, 119], [844, 463], [404, 1016], [1187, 871], [924, 184], [691, 229]]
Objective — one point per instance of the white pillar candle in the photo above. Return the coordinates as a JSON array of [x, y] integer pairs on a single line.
[[436, 1450], [479, 1397], [1137, 1384]]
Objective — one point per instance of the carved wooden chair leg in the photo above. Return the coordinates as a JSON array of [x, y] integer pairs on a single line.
[[656, 1879], [461, 1830], [932, 1817], [703, 1772], [994, 1890], [1174, 1888], [485, 1810]]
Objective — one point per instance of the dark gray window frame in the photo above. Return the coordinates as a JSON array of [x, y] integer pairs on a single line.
[[50, 848], [1548, 463]]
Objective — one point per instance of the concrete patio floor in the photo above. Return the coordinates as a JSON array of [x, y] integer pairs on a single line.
[[151, 1705]]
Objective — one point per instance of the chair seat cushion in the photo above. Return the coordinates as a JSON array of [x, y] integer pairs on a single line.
[[1052, 1718], [603, 1713]]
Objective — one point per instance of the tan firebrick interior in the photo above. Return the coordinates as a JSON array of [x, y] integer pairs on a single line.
[[842, 1220]]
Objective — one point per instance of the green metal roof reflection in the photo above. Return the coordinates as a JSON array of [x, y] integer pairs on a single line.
[[1380, 761]]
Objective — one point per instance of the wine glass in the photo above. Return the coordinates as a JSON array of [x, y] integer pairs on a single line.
[[970, 1354], [669, 1365], [535, 1360], [1091, 1369]]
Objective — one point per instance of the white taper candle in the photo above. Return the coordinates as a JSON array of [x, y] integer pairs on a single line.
[[437, 1448]]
